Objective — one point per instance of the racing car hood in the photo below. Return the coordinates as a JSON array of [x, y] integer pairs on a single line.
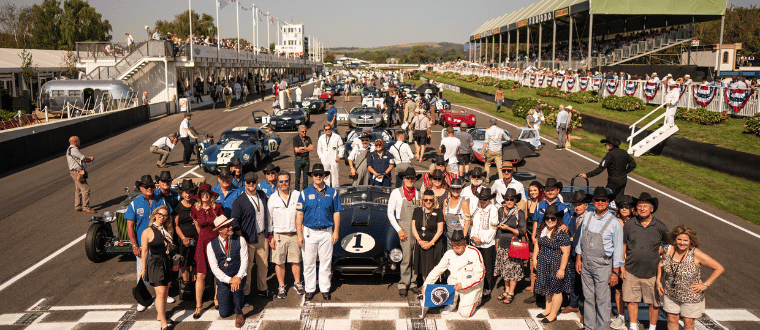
[[365, 232]]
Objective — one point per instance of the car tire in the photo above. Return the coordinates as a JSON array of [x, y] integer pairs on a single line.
[[95, 242]]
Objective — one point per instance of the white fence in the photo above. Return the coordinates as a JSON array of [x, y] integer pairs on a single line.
[[714, 99]]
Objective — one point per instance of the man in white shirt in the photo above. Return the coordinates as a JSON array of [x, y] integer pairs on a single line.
[[671, 103], [330, 149], [238, 90], [162, 147], [317, 91], [282, 230], [299, 93], [485, 221], [227, 257], [186, 131], [156, 35], [492, 147], [451, 145], [130, 43], [654, 78], [402, 155], [401, 205], [508, 181]]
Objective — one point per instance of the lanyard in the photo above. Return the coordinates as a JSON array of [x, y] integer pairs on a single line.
[[287, 204], [254, 202]]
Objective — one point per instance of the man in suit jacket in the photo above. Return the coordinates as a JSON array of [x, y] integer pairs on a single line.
[[251, 217]]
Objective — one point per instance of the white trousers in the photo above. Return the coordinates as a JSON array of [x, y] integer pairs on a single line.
[[334, 179], [468, 300], [317, 243], [670, 116]]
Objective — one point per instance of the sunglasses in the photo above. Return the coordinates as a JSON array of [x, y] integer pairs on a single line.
[[550, 219], [148, 187], [318, 174], [437, 179], [410, 177], [284, 181], [510, 199], [626, 206], [250, 182], [270, 173], [226, 226], [162, 215], [601, 200], [506, 171], [428, 200], [456, 189]]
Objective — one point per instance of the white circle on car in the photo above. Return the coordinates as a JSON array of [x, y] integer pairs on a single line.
[[357, 242]]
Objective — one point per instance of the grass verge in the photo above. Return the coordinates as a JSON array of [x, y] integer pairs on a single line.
[[717, 189], [728, 134]]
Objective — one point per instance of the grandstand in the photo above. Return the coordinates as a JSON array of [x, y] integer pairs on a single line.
[[601, 32]]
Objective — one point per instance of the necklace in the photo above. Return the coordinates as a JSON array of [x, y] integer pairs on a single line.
[[674, 269]]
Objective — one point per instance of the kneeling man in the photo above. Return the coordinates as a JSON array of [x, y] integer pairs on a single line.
[[228, 259], [467, 270]]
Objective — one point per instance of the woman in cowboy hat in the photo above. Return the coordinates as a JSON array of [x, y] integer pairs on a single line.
[[428, 232], [204, 212], [485, 221], [157, 269], [551, 254], [511, 223], [456, 210], [185, 229], [438, 185]]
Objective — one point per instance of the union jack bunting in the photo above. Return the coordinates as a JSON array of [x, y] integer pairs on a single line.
[[651, 89], [570, 83], [612, 86], [630, 87], [703, 95], [559, 81], [583, 83], [736, 98]]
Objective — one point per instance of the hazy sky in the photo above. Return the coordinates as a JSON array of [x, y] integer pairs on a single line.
[[336, 23]]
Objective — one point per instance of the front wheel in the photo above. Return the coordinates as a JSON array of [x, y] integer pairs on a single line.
[[95, 242]]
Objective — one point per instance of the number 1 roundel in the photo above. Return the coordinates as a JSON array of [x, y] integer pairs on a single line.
[[357, 243]]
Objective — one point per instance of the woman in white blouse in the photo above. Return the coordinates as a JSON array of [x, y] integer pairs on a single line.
[[485, 221]]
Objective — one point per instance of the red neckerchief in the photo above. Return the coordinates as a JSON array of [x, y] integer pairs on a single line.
[[474, 190], [409, 194]]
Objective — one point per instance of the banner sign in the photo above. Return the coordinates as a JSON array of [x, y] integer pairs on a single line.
[[583, 83], [736, 98], [570, 83], [597, 83], [562, 12], [612, 86], [438, 295], [560, 79], [703, 95], [630, 87], [549, 80], [651, 89]]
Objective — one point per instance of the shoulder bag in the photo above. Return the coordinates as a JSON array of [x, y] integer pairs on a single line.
[[519, 247]]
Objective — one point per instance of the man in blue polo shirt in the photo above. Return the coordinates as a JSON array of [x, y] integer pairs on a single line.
[[551, 190], [227, 192], [380, 164], [269, 186], [317, 224], [332, 115], [138, 219]]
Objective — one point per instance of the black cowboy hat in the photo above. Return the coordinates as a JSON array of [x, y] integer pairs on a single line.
[[552, 182], [235, 162], [141, 294], [457, 235], [318, 169], [554, 210], [580, 196], [511, 192], [646, 197], [164, 176], [188, 185], [456, 183], [625, 200], [611, 140], [271, 167], [145, 180], [437, 174], [224, 171], [477, 171], [602, 192], [439, 159], [409, 172], [485, 193]]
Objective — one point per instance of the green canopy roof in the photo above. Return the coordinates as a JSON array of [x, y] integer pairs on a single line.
[[549, 8]]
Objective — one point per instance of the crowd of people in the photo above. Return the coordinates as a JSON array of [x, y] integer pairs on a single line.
[[450, 218]]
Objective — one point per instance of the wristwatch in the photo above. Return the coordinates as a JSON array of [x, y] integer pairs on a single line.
[[616, 273]]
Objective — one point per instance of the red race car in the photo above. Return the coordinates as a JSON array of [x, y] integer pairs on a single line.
[[327, 96], [456, 117]]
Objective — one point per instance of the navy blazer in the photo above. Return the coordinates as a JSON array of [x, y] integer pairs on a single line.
[[244, 216]]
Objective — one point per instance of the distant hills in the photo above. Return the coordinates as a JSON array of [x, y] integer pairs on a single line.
[[418, 52]]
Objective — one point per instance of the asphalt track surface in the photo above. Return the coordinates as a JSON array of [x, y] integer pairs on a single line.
[[47, 281]]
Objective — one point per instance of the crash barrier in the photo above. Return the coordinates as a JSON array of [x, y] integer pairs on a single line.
[[734, 101], [26, 145], [737, 163]]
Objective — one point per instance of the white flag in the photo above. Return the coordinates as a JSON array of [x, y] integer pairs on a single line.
[[259, 14], [221, 4]]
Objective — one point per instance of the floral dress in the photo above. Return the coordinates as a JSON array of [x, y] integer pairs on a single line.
[[548, 262], [205, 220]]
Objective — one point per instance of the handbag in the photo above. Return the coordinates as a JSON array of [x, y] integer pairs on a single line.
[[518, 248]]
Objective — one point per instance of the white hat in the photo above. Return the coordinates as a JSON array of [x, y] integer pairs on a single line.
[[221, 221], [569, 107], [669, 75], [687, 76], [672, 83], [654, 73]]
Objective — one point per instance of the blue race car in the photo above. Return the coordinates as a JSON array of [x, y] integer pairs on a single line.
[[289, 118], [250, 144]]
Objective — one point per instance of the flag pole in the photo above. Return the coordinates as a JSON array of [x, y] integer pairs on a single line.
[[237, 17], [190, 20], [217, 27], [268, 22], [253, 28]]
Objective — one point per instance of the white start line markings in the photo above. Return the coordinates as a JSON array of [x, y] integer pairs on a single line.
[[315, 316]]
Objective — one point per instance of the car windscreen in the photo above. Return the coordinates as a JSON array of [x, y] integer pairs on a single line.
[[364, 111], [480, 134], [236, 135], [287, 112]]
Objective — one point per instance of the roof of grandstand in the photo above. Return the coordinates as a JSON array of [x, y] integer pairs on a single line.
[[629, 15]]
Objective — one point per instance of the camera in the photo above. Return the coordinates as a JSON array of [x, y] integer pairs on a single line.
[[353, 177]]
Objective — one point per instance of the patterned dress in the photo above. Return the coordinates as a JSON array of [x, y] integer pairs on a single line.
[[510, 269], [205, 219], [678, 276], [547, 264]]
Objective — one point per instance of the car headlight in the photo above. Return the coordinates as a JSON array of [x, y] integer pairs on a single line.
[[273, 122], [396, 255], [108, 216], [205, 158], [246, 158], [306, 103], [298, 121]]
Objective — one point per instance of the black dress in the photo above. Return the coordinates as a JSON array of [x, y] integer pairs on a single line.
[[159, 264], [426, 260], [187, 225], [548, 262]]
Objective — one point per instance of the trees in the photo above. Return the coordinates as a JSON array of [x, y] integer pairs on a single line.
[[741, 26], [80, 22], [46, 24], [16, 26], [203, 25], [329, 58]]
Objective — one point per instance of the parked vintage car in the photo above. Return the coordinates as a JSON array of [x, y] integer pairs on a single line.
[[250, 144], [334, 88], [314, 104], [366, 117], [283, 119], [369, 90], [367, 243], [388, 135], [456, 117], [478, 138]]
